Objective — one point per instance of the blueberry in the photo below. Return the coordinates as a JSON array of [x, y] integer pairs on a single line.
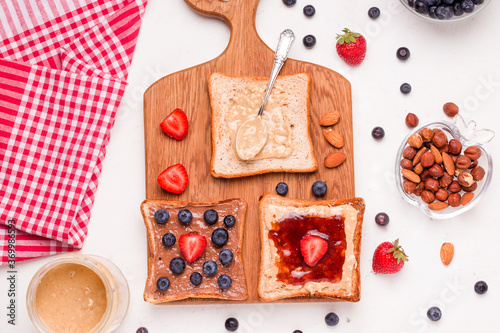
[[168, 239], [411, 3], [282, 189], [434, 313], [224, 281], [480, 287], [220, 236], [142, 330], [468, 6], [421, 7], [232, 324], [457, 9], [447, 2], [478, 2], [405, 87], [382, 219], [309, 10], [196, 278], [177, 265], [309, 41], [378, 133], [161, 216], [374, 12], [185, 216], [163, 283], [432, 11], [289, 3], [209, 267], [444, 13], [229, 221], [403, 53], [211, 216], [226, 256], [431, 2], [319, 188], [331, 319], [297, 331]]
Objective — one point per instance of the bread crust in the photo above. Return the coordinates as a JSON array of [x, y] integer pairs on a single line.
[[351, 295], [152, 247], [291, 168]]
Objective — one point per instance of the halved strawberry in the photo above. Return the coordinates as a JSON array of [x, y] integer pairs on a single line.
[[174, 179], [313, 248], [192, 246], [175, 125]]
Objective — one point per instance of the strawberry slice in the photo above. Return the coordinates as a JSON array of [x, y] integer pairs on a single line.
[[192, 246], [175, 125], [313, 248], [174, 179]]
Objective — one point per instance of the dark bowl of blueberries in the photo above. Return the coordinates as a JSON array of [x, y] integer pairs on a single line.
[[445, 10]]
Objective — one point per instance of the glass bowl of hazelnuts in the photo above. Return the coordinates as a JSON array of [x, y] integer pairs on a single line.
[[444, 170]]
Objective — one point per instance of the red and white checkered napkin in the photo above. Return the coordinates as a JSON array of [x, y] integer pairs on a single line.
[[63, 66]]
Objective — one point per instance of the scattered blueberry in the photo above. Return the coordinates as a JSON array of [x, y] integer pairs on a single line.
[[142, 330], [319, 188], [374, 12], [480, 287], [211, 216], [161, 216], [232, 324], [297, 331], [163, 283], [382, 219], [378, 133], [434, 313], [224, 281], [282, 189], [196, 278], [229, 221], [226, 256], [309, 41], [220, 236], [185, 216], [309, 10], [331, 319], [177, 265], [468, 6], [209, 267], [405, 88], [168, 239], [403, 53], [289, 3]]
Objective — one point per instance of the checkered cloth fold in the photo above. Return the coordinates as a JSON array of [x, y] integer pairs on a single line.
[[63, 66]]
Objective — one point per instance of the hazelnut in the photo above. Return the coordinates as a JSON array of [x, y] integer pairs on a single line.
[[409, 187], [450, 109], [444, 149], [420, 187], [454, 158], [439, 139], [471, 188], [454, 187], [415, 141], [465, 179], [427, 196], [436, 171], [473, 152], [445, 180], [463, 162], [409, 152], [441, 194], [474, 164], [425, 174], [406, 164], [454, 199], [478, 173], [418, 169], [455, 146], [427, 134], [431, 184], [427, 159], [411, 120], [418, 156], [459, 171]]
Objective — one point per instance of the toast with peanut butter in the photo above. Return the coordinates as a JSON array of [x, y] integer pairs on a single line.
[[310, 248], [234, 99]]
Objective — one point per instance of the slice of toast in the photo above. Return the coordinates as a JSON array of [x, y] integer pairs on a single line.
[[283, 271], [160, 255], [294, 108]]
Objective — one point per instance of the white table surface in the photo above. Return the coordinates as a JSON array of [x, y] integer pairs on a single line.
[[453, 62]]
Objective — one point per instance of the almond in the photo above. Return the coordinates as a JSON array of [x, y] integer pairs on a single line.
[[438, 205], [448, 163], [447, 252], [466, 198], [335, 159], [330, 118], [411, 176], [334, 138], [437, 155]]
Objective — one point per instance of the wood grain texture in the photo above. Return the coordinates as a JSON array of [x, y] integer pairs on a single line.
[[246, 54]]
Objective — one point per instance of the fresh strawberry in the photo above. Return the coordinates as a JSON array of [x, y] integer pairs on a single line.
[[313, 248], [175, 125], [174, 179], [192, 246], [351, 47], [389, 258]]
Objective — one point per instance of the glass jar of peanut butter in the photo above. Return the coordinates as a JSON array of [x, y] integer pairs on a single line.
[[77, 293]]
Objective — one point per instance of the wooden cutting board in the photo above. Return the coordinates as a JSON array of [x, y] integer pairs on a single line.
[[245, 55]]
